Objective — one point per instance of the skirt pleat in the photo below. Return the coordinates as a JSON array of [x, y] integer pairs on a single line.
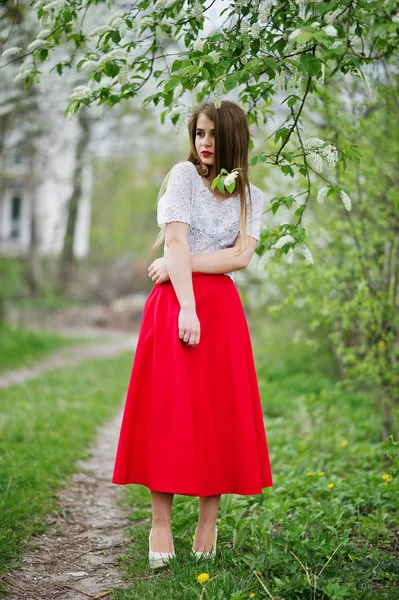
[[192, 422]]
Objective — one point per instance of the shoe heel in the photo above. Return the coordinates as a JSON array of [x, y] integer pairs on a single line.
[[158, 559]]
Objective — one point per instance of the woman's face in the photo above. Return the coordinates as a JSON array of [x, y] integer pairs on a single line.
[[205, 139]]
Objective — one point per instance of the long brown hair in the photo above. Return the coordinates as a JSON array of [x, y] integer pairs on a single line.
[[231, 151]]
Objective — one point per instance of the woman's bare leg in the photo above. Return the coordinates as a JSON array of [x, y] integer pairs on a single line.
[[205, 532], [161, 537]]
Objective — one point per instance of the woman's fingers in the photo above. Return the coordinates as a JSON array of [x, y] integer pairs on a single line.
[[190, 338]]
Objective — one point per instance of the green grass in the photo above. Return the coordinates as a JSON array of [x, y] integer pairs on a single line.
[[316, 437], [45, 427], [262, 539], [20, 347]]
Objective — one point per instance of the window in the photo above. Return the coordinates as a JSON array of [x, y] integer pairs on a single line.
[[16, 203]]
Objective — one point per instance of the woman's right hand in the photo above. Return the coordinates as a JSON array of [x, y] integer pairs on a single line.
[[189, 327]]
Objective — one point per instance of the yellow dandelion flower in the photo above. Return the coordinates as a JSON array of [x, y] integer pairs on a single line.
[[330, 485], [202, 577], [344, 443], [259, 573], [309, 473], [193, 536], [252, 595], [302, 447], [387, 477], [321, 473]]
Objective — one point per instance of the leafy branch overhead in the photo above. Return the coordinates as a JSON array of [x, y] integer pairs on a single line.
[[261, 48]]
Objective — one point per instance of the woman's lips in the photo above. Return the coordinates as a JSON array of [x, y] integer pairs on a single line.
[[207, 153]]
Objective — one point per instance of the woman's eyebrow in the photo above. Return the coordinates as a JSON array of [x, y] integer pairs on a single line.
[[199, 129]]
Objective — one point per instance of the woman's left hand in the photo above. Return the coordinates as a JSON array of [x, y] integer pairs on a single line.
[[158, 271]]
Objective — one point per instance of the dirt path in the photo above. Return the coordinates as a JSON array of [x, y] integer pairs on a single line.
[[75, 559], [69, 356]]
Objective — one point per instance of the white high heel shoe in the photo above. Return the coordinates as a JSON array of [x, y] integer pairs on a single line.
[[211, 553], [158, 559]]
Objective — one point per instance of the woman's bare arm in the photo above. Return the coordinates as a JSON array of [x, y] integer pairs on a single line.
[[178, 264], [224, 261], [219, 261]]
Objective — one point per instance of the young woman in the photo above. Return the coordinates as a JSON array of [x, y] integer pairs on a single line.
[[193, 422]]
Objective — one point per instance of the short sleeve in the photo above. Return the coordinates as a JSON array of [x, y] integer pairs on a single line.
[[175, 202], [253, 227]]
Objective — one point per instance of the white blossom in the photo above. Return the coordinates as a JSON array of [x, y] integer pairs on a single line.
[[346, 200], [238, 5], [198, 45], [56, 4], [317, 161], [285, 239], [289, 256], [331, 16], [312, 143], [116, 22], [320, 79], [330, 155], [198, 11], [115, 54], [230, 178], [321, 195], [294, 82], [330, 30], [11, 52], [89, 65], [316, 24], [98, 31], [123, 74], [306, 252], [264, 10], [177, 92], [335, 44], [395, 18], [24, 71], [81, 92], [146, 21], [294, 34], [279, 80], [255, 31], [264, 259], [217, 93], [37, 44], [245, 26], [43, 34], [215, 55]]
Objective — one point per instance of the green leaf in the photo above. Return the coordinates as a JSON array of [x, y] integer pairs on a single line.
[[304, 37], [176, 65], [231, 82], [172, 83], [271, 62], [221, 184]]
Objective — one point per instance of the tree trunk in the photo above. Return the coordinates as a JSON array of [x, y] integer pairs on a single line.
[[35, 274], [67, 266]]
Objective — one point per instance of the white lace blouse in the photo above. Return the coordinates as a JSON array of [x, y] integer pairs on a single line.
[[214, 224]]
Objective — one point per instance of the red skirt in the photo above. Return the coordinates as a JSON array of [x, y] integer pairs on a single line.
[[192, 421]]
